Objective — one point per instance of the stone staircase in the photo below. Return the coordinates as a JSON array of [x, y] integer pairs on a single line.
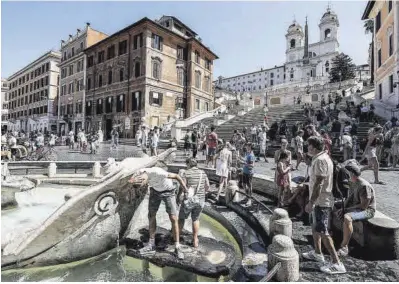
[[291, 114]]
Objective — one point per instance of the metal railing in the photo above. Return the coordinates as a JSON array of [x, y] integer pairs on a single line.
[[258, 202], [271, 273]]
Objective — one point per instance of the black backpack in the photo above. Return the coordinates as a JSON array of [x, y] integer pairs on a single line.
[[340, 181]]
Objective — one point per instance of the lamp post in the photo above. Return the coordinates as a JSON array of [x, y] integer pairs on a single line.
[[396, 86]]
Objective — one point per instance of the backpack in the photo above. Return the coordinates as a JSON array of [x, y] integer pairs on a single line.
[[341, 178]]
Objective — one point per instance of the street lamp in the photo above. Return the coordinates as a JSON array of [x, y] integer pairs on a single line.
[[396, 86]]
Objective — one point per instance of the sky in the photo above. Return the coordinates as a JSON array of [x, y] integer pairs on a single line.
[[246, 36]]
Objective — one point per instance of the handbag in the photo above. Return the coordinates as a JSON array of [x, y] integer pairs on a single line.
[[192, 199]]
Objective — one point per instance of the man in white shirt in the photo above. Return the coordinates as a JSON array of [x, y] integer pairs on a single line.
[[253, 133], [161, 189], [263, 143], [346, 144], [154, 142], [321, 201]]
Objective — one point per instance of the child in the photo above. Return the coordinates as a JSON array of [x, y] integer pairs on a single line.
[[282, 177]]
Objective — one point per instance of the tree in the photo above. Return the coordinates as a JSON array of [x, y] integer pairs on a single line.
[[342, 68], [369, 29]]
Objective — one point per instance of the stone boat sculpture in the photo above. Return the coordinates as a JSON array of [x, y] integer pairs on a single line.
[[86, 225]]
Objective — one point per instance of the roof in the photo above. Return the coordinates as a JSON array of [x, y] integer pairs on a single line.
[[246, 74], [143, 20], [369, 7], [181, 23]]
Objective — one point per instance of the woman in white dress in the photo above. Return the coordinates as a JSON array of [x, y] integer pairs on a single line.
[[223, 163]]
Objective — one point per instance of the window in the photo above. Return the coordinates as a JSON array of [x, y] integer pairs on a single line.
[[138, 41], [156, 98], [122, 47], [101, 56], [292, 73], [108, 105], [63, 90], [63, 73], [65, 56], [80, 85], [391, 84], [100, 80], [180, 52], [90, 61], [70, 69], [156, 42], [81, 46], [207, 64], [327, 33], [272, 75], [197, 104], [137, 69], [327, 67], [109, 77], [70, 90], [380, 91], [271, 83], [197, 57], [390, 42], [136, 101], [78, 66], [111, 52], [78, 107], [197, 79], [292, 43], [88, 107], [206, 106], [180, 76], [73, 51], [379, 59], [378, 22], [121, 77], [88, 83], [389, 6], [99, 106], [120, 103], [156, 70], [46, 82], [207, 81]]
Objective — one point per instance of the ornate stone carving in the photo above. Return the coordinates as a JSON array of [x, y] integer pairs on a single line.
[[280, 223], [106, 204]]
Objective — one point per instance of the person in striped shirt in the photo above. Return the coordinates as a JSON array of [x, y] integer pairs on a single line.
[[196, 179]]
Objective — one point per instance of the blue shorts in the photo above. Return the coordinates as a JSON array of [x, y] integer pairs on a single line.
[[321, 219], [359, 215], [211, 152]]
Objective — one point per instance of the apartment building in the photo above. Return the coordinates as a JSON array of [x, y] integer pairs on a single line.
[[147, 73], [73, 75], [386, 24], [4, 104], [32, 91]]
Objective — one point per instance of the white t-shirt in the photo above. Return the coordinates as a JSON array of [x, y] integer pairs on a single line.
[[158, 179], [155, 139], [322, 166], [346, 140], [254, 130]]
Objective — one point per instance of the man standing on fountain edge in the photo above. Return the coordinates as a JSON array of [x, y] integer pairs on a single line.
[[161, 189], [321, 202]]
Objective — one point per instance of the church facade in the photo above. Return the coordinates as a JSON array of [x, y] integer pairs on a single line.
[[304, 61]]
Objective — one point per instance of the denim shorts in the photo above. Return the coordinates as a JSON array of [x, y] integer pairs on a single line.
[[321, 217], [360, 215], [195, 212], [211, 152], [169, 198]]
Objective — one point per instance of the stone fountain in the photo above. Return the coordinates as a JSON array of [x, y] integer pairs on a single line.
[[88, 224], [11, 185]]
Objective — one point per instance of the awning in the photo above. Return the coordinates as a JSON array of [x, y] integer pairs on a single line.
[[369, 96]]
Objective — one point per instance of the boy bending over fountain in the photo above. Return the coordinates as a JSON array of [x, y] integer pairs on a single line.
[[161, 189]]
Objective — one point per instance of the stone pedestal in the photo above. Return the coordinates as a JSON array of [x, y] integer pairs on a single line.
[[52, 170], [232, 187], [96, 170], [282, 250], [280, 223]]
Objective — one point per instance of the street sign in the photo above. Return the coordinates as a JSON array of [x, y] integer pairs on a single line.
[[127, 123]]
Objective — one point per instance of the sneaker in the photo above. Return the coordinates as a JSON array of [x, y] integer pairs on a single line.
[[179, 253], [333, 268], [147, 250], [312, 255], [343, 251]]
